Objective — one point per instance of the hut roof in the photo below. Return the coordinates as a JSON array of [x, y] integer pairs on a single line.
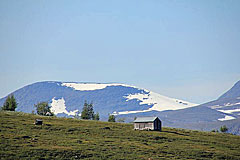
[[145, 119]]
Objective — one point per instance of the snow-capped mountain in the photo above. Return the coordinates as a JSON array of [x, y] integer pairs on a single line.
[[67, 98], [126, 101], [228, 103], [212, 115]]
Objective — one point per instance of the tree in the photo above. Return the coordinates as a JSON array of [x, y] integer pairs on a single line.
[[90, 110], [111, 118], [87, 112], [10, 103], [84, 114], [224, 129], [43, 109], [96, 117]]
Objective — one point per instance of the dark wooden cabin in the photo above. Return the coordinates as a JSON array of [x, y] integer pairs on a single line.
[[147, 123], [38, 122]]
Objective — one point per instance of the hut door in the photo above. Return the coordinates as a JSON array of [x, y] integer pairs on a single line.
[[157, 125]]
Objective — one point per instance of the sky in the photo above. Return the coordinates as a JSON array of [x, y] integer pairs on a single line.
[[178, 48]]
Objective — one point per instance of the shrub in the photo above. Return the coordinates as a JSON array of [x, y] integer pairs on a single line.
[[224, 129], [43, 109], [111, 118]]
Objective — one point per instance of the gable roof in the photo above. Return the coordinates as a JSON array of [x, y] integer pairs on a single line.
[[145, 119]]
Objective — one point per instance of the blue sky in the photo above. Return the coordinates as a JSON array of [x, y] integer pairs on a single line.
[[179, 48]]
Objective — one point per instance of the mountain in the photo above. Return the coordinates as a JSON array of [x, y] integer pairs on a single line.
[[67, 98], [125, 101], [228, 103], [208, 116], [233, 93]]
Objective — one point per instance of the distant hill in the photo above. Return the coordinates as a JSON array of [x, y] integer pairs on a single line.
[[212, 115], [126, 101], [233, 93], [67, 138], [228, 103], [67, 98]]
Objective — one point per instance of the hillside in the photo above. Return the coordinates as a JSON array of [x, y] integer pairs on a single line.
[[125, 101], [67, 98], [66, 138], [228, 103], [208, 116]]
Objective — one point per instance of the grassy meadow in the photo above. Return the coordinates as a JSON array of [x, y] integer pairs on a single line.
[[66, 138]]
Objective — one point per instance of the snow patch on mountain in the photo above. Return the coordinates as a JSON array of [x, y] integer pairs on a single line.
[[230, 111], [224, 105], [159, 102], [216, 107], [231, 104], [58, 106], [130, 112], [92, 86], [226, 118]]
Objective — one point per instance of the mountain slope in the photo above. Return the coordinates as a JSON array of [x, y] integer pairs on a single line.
[[212, 115], [67, 98], [125, 101], [228, 103], [233, 93]]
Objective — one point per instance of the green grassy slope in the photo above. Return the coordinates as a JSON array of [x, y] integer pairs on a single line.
[[61, 138]]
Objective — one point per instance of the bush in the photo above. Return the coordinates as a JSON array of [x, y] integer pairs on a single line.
[[43, 109], [111, 118], [224, 129], [10, 103]]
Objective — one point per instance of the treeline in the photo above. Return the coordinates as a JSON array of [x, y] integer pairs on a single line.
[[88, 113], [43, 108]]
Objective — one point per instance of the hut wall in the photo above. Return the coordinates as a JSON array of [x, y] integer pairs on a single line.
[[143, 126], [157, 125]]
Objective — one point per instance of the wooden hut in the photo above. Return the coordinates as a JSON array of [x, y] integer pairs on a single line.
[[38, 122], [147, 123]]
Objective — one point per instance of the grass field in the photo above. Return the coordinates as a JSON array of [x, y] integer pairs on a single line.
[[62, 138]]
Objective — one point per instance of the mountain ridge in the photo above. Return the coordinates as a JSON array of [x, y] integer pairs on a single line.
[[234, 92], [123, 97], [125, 101]]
